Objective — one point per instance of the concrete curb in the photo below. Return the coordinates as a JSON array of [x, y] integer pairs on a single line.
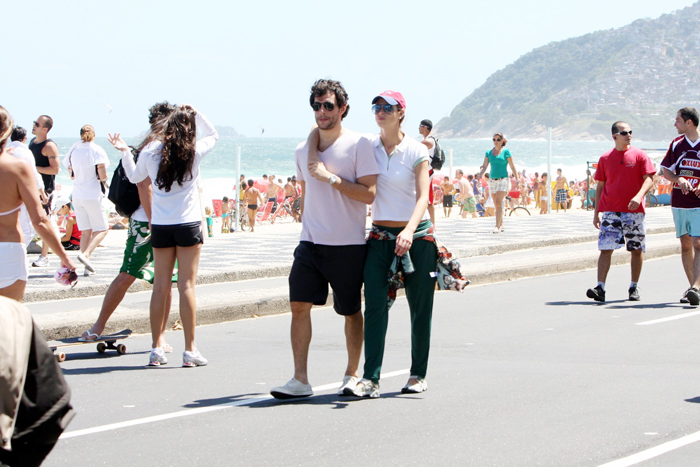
[[277, 302]]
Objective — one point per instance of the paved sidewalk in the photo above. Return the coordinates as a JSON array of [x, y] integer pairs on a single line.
[[268, 252], [243, 275]]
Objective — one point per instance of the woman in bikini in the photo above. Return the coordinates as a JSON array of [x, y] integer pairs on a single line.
[[17, 186]]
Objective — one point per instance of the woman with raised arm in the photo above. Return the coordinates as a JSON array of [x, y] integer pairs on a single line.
[[17, 186], [499, 184], [176, 226]]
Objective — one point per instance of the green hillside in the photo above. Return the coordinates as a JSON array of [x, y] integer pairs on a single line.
[[641, 73]]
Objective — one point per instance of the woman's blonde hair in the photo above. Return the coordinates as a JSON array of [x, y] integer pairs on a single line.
[[6, 124], [87, 133]]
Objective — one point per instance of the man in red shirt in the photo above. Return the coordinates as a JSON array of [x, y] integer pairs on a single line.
[[624, 176], [682, 168]]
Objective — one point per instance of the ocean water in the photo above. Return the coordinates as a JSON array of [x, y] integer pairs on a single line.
[[276, 155]]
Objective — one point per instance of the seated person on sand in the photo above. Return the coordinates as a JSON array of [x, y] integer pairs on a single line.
[[71, 233], [253, 199]]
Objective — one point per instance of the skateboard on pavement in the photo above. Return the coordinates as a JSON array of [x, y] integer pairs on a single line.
[[103, 342]]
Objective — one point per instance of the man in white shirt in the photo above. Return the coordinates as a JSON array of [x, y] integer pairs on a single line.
[[337, 185], [21, 151]]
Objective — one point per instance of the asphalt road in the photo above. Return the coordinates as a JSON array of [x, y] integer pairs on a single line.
[[523, 373]]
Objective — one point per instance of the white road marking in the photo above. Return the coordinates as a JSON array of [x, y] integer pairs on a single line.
[[201, 410], [670, 318], [654, 452]]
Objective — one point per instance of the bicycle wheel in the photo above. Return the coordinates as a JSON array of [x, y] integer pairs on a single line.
[[519, 211], [652, 201]]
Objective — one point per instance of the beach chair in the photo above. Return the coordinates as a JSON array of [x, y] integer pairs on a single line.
[[264, 214]]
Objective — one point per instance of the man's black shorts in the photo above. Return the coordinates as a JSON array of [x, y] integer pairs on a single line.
[[170, 236], [315, 266]]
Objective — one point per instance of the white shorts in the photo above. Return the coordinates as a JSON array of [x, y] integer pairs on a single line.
[[13, 263], [501, 184], [90, 215]]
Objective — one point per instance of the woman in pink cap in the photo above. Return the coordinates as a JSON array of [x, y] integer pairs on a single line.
[[400, 246]]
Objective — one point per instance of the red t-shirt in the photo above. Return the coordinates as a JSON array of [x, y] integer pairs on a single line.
[[623, 174], [76, 234], [682, 159]]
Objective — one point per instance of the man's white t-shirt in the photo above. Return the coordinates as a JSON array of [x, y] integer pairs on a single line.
[[329, 217], [83, 157]]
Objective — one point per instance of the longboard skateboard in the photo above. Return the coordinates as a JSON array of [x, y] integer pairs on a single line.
[[103, 342]]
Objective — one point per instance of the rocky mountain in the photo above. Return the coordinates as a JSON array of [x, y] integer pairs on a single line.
[[227, 132], [641, 73]]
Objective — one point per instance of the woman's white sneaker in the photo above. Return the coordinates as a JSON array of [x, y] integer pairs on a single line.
[[194, 358], [157, 357]]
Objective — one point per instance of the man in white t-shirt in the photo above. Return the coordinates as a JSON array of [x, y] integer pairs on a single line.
[[338, 181], [21, 151], [425, 127]]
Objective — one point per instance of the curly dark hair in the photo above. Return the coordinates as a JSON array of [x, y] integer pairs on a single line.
[[179, 141], [323, 86], [156, 117]]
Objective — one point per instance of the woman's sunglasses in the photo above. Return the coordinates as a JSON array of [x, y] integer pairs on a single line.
[[387, 108], [329, 106], [497, 140]]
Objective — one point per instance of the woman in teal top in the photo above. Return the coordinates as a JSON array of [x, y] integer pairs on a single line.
[[499, 158]]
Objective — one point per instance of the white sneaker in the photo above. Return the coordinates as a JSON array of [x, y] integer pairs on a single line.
[[420, 386], [194, 358], [41, 262], [87, 272], [349, 383], [365, 388], [293, 389], [85, 262], [157, 357]]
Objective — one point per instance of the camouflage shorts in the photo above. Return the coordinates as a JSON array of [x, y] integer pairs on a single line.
[[620, 228]]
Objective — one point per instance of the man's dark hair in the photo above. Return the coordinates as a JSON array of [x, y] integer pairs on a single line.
[[159, 111], [289, 179], [616, 126], [324, 86], [689, 113], [250, 183], [48, 123], [18, 134], [470, 177]]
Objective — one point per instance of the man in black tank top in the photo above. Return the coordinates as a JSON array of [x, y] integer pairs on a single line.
[[46, 157], [45, 152]]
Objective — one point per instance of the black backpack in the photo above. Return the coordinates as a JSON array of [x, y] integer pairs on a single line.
[[438, 159], [123, 193]]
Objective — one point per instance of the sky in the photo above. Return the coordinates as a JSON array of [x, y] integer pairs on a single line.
[[250, 65]]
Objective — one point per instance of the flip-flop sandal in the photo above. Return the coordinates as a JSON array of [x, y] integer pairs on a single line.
[[91, 336]]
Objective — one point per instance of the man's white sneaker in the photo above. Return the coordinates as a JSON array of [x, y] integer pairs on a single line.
[[349, 383], [291, 390], [365, 388], [41, 262], [194, 358], [157, 357], [86, 263], [87, 273]]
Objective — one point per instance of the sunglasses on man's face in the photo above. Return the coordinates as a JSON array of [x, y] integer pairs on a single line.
[[497, 140], [624, 133], [329, 106], [387, 108]]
